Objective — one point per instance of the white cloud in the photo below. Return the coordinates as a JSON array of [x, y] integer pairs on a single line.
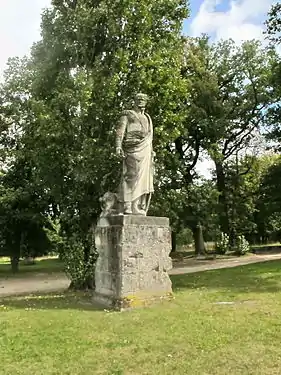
[[241, 21]]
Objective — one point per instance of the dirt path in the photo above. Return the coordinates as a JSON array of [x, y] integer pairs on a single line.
[[205, 265], [36, 283], [57, 282]]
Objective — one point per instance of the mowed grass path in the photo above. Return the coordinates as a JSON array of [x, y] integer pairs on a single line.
[[193, 334]]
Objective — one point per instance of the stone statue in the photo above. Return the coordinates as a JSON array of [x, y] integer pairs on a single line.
[[134, 136], [123, 232]]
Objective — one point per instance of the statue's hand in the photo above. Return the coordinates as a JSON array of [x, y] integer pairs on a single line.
[[119, 152]]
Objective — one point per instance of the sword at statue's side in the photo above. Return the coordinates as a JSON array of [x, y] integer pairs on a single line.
[[150, 194], [148, 203]]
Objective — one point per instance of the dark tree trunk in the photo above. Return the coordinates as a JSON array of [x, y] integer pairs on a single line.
[[174, 242], [15, 263], [14, 245], [88, 284], [221, 186], [200, 248]]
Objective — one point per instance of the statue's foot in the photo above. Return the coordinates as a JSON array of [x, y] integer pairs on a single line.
[[139, 212], [128, 212], [128, 209]]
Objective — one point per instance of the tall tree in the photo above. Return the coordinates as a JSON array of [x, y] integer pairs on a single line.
[[244, 178], [273, 24], [22, 215], [93, 57], [23, 205], [190, 206], [231, 89], [268, 205]]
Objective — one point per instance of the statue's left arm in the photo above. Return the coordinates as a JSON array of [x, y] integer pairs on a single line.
[[153, 154]]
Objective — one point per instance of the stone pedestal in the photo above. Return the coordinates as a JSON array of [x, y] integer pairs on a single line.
[[133, 263]]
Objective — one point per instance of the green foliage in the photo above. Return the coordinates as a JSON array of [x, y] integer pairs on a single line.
[[222, 245], [22, 216], [60, 106], [81, 271], [268, 204], [53, 232], [273, 226], [92, 59], [184, 237], [244, 182], [231, 88], [188, 205], [273, 23]]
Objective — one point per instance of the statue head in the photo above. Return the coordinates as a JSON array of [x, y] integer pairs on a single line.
[[140, 100]]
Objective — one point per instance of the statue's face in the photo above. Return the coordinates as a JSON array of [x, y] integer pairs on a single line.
[[141, 102]]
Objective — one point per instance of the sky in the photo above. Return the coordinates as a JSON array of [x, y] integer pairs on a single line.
[[238, 19], [221, 19]]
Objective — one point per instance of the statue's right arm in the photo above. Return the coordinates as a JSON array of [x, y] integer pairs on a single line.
[[120, 132]]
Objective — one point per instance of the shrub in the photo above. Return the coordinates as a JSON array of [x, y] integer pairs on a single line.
[[222, 244], [242, 245], [79, 264]]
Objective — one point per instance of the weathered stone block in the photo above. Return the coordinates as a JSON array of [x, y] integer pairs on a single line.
[[133, 264]]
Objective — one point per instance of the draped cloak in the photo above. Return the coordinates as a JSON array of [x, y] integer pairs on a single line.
[[137, 176]]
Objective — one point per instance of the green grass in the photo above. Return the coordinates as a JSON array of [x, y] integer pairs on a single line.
[[42, 265], [64, 334], [267, 245]]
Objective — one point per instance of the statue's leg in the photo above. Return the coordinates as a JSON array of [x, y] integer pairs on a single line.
[[136, 209], [143, 202]]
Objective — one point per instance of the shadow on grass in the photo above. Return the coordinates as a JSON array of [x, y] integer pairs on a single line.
[[51, 301], [257, 278], [47, 266]]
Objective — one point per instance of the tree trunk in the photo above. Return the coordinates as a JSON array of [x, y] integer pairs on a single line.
[[14, 244], [221, 186], [174, 242], [200, 248], [15, 263], [88, 284]]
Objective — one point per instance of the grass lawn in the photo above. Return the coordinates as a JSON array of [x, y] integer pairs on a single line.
[[42, 265], [194, 334]]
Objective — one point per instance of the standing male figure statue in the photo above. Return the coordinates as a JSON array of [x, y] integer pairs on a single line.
[[134, 136]]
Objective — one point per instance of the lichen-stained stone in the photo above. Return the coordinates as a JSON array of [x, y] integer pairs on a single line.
[[133, 263]]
